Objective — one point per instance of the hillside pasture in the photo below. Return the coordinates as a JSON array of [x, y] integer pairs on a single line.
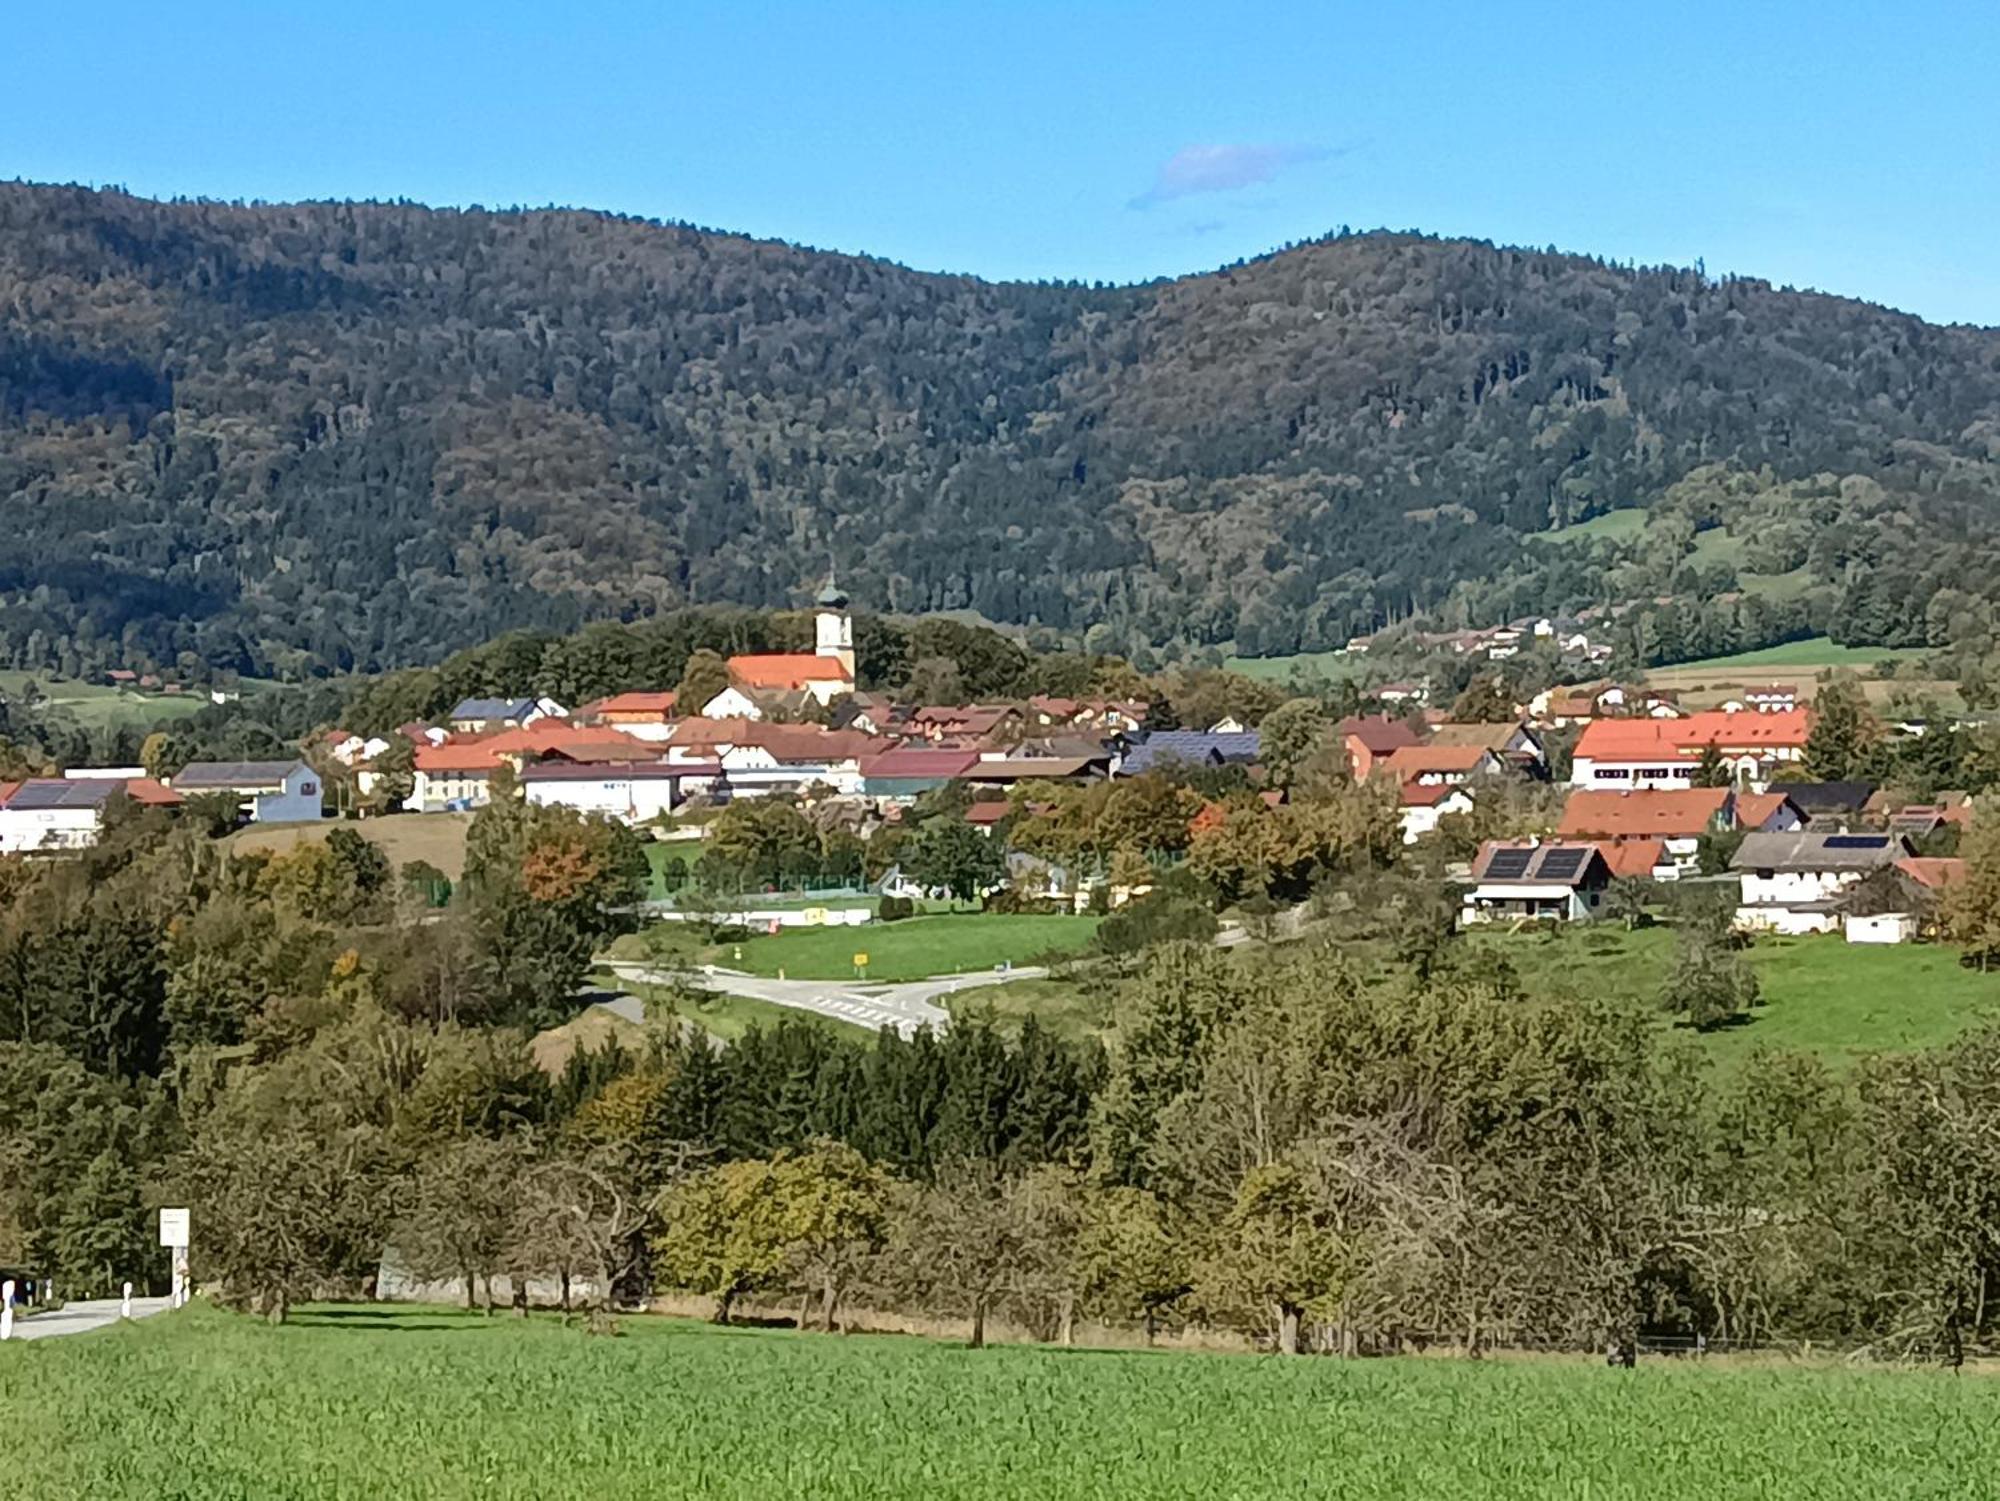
[[438, 838], [100, 705], [436, 1403]]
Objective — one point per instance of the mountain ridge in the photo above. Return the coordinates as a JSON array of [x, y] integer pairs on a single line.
[[292, 438]]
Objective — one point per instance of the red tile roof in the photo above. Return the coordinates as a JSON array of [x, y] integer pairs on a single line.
[[987, 814], [1660, 814], [1632, 857], [1378, 733], [651, 704], [1669, 739], [1410, 761], [1933, 871], [1429, 794], [1755, 809], [152, 794], [786, 670], [919, 761]]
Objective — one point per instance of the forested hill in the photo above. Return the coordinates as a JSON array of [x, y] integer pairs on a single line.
[[364, 434]]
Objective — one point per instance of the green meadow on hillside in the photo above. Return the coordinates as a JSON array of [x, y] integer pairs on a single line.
[[438, 1403]]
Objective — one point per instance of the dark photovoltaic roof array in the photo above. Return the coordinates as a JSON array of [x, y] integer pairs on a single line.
[[233, 773], [83, 793], [1562, 865], [1507, 864]]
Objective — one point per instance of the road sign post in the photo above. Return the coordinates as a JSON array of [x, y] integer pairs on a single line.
[[861, 965], [7, 1309], [174, 1236]]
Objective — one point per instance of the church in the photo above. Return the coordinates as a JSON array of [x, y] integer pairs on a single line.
[[787, 681]]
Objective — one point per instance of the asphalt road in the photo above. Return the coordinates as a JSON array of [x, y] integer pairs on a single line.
[[81, 1318], [907, 1006]]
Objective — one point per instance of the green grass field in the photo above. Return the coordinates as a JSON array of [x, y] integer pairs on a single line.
[[1815, 651], [1611, 526], [1074, 1009], [914, 949], [1820, 995], [1332, 665], [98, 705], [432, 1403], [909, 950]]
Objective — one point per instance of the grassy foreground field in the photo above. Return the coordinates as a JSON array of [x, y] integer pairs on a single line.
[[373, 1402]]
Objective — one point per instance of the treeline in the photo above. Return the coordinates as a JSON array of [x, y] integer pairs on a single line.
[[533, 420], [1281, 1145]]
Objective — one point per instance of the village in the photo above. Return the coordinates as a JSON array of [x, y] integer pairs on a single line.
[[1530, 818]]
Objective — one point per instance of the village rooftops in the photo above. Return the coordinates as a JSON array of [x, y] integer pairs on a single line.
[[1933, 872], [918, 762], [655, 705], [1493, 737], [492, 709]]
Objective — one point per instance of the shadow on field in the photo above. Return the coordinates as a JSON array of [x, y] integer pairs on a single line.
[[364, 1318]]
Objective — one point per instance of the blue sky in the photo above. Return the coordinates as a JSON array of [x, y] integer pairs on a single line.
[[1850, 147]]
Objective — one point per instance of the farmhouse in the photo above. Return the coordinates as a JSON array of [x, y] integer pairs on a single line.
[[633, 792], [1636, 753], [49, 814], [1439, 765], [903, 773], [266, 791], [1425, 805], [643, 716], [1561, 881], [1371, 737], [1514, 743], [1796, 882]]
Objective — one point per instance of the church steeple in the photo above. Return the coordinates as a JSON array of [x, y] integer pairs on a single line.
[[833, 628]]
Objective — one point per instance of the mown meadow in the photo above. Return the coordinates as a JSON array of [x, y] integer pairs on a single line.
[[365, 1401]]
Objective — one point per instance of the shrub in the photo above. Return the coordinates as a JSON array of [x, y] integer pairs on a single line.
[[895, 909], [1157, 917]]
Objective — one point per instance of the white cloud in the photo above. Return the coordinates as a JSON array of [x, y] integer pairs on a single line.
[[1222, 169]]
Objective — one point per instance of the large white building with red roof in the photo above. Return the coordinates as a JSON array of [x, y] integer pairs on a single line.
[[1632, 754]]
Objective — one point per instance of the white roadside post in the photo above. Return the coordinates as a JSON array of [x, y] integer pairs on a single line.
[[174, 1236], [7, 1309], [125, 1303]]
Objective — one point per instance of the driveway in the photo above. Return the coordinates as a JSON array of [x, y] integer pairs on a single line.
[[81, 1318], [907, 1006]]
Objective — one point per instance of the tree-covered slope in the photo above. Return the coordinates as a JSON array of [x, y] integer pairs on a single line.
[[363, 434]]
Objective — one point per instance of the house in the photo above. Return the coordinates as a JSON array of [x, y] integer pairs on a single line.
[[1666, 753], [477, 716], [766, 758], [903, 773], [1829, 806], [1005, 771], [632, 792], [986, 817], [54, 814], [1367, 738], [1561, 881], [1163, 749], [1796, 882], [1512, 741], [748, 701], [1229, 724], [1432, 765], [1425, 805], [1770, 698], [266, 791], [1677, 819], [990, 722], [643, 716], [458, 774]]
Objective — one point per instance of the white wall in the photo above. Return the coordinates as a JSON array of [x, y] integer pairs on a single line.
[[1783, 887], [629, 799], [25, 830]]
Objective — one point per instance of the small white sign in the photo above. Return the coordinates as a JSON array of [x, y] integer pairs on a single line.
[[174, 1228]]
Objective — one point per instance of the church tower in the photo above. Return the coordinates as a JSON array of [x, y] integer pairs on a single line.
[[833, 627]]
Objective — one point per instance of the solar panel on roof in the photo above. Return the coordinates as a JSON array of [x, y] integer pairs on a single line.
[[52, 794], [1507, 864], [1562, 865], [1857, 841]]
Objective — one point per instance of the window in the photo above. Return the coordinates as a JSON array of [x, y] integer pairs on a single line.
[[308, 789]]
